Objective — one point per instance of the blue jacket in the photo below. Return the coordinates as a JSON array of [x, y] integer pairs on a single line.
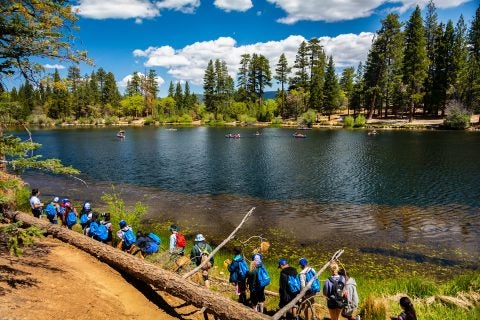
[[234, 268]]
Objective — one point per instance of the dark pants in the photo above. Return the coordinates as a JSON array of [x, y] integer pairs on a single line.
[[37, 212]]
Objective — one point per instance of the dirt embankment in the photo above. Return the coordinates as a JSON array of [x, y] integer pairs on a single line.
[[54, 280]]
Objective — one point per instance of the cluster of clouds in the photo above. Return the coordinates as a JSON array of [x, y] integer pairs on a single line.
[[189, 63], [295, 10]]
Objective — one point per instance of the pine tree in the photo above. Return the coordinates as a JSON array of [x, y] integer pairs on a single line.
[[301, 65], [151, 91], [58, 107], [346, 84], [242, 76], [73, 81], [110, 94], [317, 61], [171, 90], [432, 37], [460, 58], [357, 100], [209, 87], [178, 96], [331, 89], [473, 90], [281, 75], [415, 61]]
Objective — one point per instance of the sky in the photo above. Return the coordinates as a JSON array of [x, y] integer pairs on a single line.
[[177, 38]]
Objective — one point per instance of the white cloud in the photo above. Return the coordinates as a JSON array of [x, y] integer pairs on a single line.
[[185, 6], [53, 66], [123, 83], [117, 9], [189, 63], [339, 10], [233, 5], [131, 9]]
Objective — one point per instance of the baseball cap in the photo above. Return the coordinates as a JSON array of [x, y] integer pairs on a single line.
[[282, 262], [303, 262]]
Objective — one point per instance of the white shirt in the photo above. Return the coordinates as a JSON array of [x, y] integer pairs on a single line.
[[173, 242], [35, 202]]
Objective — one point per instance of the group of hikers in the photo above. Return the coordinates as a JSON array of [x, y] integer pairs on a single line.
[[339, 289]]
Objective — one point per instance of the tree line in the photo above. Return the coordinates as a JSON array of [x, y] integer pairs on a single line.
[[416, 67]]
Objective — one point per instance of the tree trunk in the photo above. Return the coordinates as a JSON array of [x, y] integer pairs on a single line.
[[201, 297]]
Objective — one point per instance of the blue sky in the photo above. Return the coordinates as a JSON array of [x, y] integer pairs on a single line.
[[177, 38]]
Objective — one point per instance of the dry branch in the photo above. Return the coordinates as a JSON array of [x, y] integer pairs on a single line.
[[224, 242], [201, 297]]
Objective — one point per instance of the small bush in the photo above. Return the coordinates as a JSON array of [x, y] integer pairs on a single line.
[[186, 118], [245, 118], [360, 121], [307, 118], [148, 121], [111, 120], [277, 120], [457, 117], [348, 122]]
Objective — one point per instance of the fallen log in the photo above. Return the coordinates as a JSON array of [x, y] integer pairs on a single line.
[[199, 296]]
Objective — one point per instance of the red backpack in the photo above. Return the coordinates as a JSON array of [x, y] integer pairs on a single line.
[[181, 242]]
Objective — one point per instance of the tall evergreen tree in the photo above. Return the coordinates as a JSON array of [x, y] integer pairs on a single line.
[[242, 76], [281, 75], [460, 58], [58, 107], [151, 91], [331, 89], [209, 87], [73, 81], [473, 91], [301, 66], [346, 84], [357, 99], [317, 62], [179, 97], [432, 37], [415, 61], [171, 90], [110, 95]]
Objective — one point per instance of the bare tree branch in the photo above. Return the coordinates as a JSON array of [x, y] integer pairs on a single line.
[[224, 242]]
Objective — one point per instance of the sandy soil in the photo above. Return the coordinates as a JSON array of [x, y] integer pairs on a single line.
[[54, 280]]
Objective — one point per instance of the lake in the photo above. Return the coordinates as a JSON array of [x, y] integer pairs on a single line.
[[338, 187]]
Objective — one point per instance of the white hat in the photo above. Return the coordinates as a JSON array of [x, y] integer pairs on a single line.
[[199, 237]]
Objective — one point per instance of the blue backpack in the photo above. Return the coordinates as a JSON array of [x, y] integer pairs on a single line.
[[71, 218], [154, 238], [84, 218], [51, 211], [315, 287], [293, 284], [242, 269], [129, 238], [152, 247], [102, 232], [93, 229], [263, 277]]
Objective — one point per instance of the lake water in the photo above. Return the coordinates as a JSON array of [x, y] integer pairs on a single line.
[[338, 187]]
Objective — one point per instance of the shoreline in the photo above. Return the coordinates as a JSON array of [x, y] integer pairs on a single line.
[[323, 123]]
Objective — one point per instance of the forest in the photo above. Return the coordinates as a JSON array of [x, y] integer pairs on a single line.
[[420, 67]]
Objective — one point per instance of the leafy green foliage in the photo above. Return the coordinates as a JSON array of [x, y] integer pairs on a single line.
[[457, 117], [118, 211], [360, 121], [18, 237], [47, 165], [308, 118], [463, 283], [348, 122]]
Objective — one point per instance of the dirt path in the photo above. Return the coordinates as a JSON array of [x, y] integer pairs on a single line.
[[54, 280]]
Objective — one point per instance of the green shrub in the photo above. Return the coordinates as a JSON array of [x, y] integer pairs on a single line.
[[348, 122], [457, 121], [307, 118], [148, 121], [360, 121], [245, 118], [277, 120], [186, 118], [118, 211], [111, 120]]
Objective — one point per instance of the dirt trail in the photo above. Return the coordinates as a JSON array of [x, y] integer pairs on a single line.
[[54, 280]]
